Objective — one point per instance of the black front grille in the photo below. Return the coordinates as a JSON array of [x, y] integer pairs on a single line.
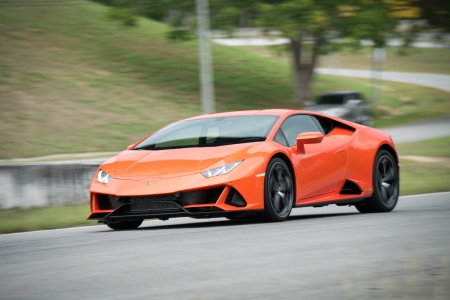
[[165, 204], [155, 206], [143, 199]]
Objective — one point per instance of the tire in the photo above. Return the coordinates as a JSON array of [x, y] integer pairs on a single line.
[[386, 187], [278, 192], [124, 225]]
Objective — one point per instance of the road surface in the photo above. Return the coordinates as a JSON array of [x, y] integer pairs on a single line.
[[321, 253]]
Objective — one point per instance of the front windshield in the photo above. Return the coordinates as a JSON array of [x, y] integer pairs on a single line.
[[210, 132]]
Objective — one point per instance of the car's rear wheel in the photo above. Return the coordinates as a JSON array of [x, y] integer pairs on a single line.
[[278, 191], [124, 225], [385, 185]]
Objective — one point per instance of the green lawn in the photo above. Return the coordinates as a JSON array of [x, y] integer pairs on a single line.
[[425, 177], [73, 82], [18, 220]]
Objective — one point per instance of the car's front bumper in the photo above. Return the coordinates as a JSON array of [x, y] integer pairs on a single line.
[[168, 198]]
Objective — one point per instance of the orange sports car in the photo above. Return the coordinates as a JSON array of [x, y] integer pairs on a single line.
[[245, 164]]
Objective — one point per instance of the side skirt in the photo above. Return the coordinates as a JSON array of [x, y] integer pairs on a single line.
[[342, 202]]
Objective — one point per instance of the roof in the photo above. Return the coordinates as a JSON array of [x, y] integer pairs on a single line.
[[262, 112]]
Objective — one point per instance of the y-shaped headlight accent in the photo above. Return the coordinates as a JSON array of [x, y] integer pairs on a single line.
[[103, 177], [221, 170]]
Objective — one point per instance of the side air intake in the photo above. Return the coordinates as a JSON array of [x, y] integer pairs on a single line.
[[350, 188]]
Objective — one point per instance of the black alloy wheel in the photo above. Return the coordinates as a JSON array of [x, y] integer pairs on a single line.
[[124, 225], [278, 191], [385, 185]]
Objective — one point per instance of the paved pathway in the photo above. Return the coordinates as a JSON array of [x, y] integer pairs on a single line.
[[436, 81], [261, 41], [426, 130]]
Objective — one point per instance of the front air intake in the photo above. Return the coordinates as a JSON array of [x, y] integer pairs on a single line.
[[235, 199], [350, 188], [103, 202]]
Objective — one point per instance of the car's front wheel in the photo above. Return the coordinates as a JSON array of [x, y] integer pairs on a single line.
[[278, 191], [124, 225], [385, 185]]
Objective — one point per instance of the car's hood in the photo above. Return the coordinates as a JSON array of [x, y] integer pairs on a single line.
[[170, 163]]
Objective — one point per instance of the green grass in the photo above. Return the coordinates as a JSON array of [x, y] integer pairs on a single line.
[[73, 82], [425, 177], [19, 220]]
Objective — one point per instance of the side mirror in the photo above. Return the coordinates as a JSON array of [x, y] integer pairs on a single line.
[[131, 146], [308, 138]]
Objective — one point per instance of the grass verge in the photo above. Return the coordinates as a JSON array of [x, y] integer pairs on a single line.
[[416, 178], [425, 166], [20, 220]]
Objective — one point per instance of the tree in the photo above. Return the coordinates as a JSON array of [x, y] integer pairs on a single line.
[[436, 12], [313, 27]]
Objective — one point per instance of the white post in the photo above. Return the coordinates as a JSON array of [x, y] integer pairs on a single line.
[[378, 56], [206, 75]]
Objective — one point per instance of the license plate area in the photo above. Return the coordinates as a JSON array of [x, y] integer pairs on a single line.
[[154, 206]]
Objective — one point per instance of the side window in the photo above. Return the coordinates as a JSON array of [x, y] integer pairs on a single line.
[[279, 138], [297, 124], [324, 124]]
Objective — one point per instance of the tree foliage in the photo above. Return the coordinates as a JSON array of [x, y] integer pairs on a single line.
[[313, 27]]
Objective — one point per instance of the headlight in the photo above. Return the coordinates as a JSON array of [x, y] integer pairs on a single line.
[[221, 170], [102, 177]]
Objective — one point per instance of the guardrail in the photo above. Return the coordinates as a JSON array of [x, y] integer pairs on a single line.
[[27, 185]]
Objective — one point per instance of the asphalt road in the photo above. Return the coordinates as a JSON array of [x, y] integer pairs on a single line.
[[322, 253]]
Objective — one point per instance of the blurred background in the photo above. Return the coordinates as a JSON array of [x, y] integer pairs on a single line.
[[84, 79], [81, 80], [88, 76]]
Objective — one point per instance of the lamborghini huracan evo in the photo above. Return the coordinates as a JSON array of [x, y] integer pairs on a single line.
[[247, 164]]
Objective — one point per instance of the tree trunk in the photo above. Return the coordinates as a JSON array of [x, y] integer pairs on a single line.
[[303, 71]]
